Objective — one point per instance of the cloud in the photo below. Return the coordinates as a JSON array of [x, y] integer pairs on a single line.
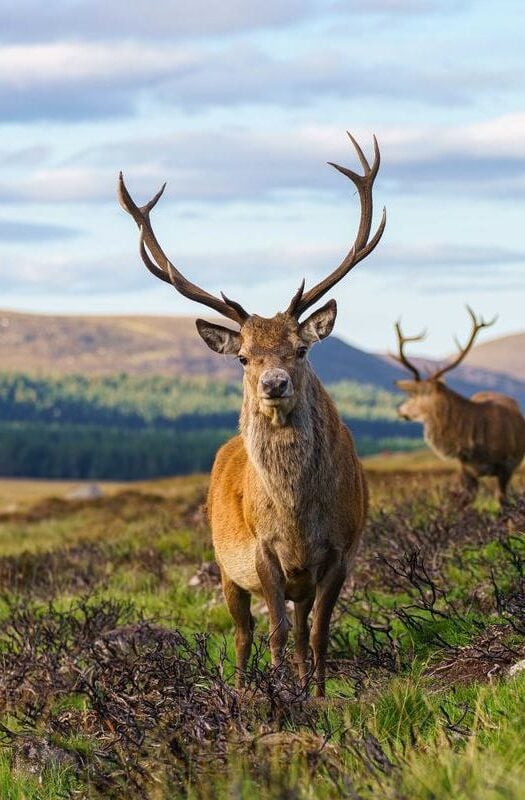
[[440, 255], [484, 157], [247, 75], [24, 232], [392, 7], [69, 81], [31, 156], [452, 269], [249, 268], [61, 184], [86, 80], [239, 164], [34, 21], [64, 274], [31, 20]]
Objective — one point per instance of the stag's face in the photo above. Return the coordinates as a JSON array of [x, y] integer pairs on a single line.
[[273, 355], [420, 399]]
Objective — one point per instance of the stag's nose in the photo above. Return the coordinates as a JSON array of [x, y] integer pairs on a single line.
[[401, 413], [275, 383]]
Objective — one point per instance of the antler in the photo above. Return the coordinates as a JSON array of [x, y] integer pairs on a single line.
[[402, 340], [162, 267], [362, 247], [477, 325]]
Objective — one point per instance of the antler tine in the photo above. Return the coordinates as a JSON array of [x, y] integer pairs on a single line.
[[402, 340], [363, 159], [161, 266], [360, 154], [363, 245], [294, 302], [480, 323], [477, 325]]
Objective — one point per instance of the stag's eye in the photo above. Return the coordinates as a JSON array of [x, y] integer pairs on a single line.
[[301, 352], [243, 360]]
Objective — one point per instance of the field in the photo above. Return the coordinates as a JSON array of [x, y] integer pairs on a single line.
[[116, 677]]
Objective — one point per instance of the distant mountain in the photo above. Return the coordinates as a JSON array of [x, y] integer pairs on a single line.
[[506, 355], [140, 345], [49, 344]]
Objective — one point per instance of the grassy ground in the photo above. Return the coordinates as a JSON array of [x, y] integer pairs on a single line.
[[116, 648]]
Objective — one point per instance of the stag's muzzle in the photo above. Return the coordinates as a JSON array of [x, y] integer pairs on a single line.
[[275, 384]]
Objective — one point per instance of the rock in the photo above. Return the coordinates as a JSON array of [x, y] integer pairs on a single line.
[[88, 491], [519, 666], [207, 575], [32, 755], [11, 508]]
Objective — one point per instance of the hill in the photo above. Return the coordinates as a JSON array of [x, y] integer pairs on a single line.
[[48, 344], [506, 354], [169, 345], [140, 345]]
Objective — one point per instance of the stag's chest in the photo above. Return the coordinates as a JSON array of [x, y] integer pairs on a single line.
[[294, 500], [298, 529]]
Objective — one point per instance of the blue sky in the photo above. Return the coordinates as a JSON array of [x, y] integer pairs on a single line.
[[239, 106]]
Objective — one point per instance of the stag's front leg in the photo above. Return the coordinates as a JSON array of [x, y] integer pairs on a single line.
[[469, 484], [238, 602], [326, 596], [302, 637], [273, 586]]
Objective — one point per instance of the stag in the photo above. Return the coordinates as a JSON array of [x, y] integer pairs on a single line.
[[485, 433], [288, 497]]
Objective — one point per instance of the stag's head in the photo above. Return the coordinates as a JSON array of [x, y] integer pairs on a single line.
[[273, 351], [422, 392]]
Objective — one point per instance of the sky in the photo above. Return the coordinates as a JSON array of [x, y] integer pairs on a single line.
[[238, 105]]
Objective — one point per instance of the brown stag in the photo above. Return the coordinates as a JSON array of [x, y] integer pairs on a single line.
[[288, 498], [485, 433]]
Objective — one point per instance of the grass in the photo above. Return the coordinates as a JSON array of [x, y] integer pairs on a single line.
[[117, 650]]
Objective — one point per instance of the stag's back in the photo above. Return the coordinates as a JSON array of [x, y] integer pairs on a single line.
[[500, 425]]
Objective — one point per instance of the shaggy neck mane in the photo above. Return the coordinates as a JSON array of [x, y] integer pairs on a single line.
[[447, 416], [291, 460]]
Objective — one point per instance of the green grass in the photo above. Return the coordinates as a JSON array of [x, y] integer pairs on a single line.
[[54, 783], [402, 721]]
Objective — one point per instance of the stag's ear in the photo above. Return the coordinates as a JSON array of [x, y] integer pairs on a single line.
[[222, 340], [319, 325], [407, 386]]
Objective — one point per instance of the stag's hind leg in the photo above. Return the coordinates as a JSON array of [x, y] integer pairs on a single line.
[[325, 599], [238, 602], [503, 474]]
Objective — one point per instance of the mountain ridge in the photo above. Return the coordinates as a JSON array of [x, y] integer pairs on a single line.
[[46, 344]]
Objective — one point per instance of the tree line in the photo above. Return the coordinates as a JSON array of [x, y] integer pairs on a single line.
[[131, 427]]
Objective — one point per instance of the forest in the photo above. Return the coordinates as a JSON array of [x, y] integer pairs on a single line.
[[131, 427]]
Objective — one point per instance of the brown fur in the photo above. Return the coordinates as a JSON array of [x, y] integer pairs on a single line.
[[287, 501], [485, 433]]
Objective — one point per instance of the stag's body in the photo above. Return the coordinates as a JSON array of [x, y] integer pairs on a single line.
[[484, 433], [297, 513], [288, 497]]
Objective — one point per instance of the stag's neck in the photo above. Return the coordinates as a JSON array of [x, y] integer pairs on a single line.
[[446, 422], [291, 459]]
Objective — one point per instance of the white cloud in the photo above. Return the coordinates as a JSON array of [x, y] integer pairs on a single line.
[[248, 268], [78, 80], [247, 165], [23, 66], [33, 20]]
